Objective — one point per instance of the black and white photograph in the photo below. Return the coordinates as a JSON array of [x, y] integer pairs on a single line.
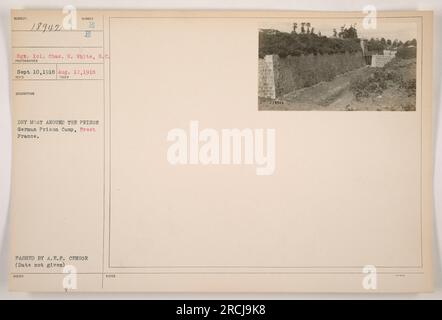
[[337, 65]]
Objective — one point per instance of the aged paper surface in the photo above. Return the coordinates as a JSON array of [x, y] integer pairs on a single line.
[[221, 151]]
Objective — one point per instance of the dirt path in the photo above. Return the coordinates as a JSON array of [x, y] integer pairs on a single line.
[[327, 95], [392, 88]]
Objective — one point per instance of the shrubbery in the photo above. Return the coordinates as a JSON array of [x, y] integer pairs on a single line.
[[379, 79], [295, 44], [374, 84], [307, 42], [409, 86], [406, 53]]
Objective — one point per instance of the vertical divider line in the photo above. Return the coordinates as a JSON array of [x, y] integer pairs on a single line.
[[104, 155], [110, 143]]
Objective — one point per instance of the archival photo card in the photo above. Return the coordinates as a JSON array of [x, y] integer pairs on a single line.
[[146, 156]]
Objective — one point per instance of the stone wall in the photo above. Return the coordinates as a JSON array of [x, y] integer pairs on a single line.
[[266, 78], [390, 52], [380, 60], [293, 72]]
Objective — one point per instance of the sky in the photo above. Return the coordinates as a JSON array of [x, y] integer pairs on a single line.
[[387, 29]]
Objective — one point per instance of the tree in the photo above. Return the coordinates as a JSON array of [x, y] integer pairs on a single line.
[[341, 34], [352, 32], [413, 42], [348, 33], [375, 45]]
